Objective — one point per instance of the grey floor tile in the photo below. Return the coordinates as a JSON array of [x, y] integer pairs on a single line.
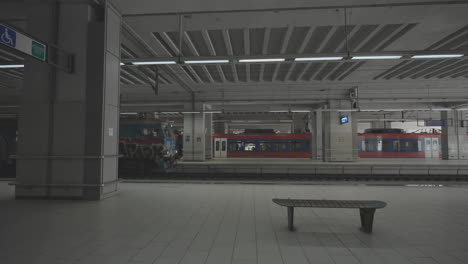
[[230, 223]]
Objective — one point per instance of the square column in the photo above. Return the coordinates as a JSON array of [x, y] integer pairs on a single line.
[[339, 139], [316, 129], [454, 139], [197, 133], [208, 136], [68, 124]]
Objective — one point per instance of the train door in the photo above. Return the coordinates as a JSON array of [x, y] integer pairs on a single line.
[[435, 148], [432, 148], [223, 149], [220, 147]]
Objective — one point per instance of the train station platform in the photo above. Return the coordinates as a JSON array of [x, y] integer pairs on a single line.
[[235, 223], [281, 168]]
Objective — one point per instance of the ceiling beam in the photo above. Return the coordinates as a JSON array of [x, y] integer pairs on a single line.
[[149, 50], [211, 49]]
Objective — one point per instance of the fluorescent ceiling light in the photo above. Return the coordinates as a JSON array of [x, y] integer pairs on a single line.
[[169, 112], [437, 56], [376, 57], [213, 112], [318, 58], [262, 60], [278, 111], [194, 112], [153, 62], [11, 66], [300, 111], [206, 61], [121, 64], [132, 113]]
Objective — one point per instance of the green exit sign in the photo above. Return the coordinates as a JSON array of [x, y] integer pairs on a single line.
[[38, 50]]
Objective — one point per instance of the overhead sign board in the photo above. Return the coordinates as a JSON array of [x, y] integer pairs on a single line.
[[23, 43]]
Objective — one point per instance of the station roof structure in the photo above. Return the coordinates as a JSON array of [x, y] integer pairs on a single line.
[[305, 53]]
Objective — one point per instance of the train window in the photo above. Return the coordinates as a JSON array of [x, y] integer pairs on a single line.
[[235, 146], [379, 145], [306, 145], [369, 145], [396, 145], [265, 146], [249, 146], [217, 145], [154, 133], [280, 146], [387, 145], [295, 146], [412, 146]]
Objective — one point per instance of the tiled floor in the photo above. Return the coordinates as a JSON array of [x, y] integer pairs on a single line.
[[227, 223]]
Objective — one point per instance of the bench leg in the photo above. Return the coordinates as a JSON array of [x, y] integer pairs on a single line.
[[291, 218], [367, 219]]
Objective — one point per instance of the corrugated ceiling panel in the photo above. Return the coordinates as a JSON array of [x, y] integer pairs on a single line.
[[336, 39], [318, 35], [199, 42], [227, 70], [237, 41], [362, 33], [255, 72], [297, 38], [377, 39], [215, 74], [256, 36], [217, 39], [268, 72], [276, 40], [296, 71], [282, 71], [311, 70]]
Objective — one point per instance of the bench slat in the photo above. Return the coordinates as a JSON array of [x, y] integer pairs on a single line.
[[330, 203]]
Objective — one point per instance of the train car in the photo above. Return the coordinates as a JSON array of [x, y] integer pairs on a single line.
[[394, 143], [150, 141], [374, 143], [261, 146]]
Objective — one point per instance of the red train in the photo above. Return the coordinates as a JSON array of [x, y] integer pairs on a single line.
[[391, 144], [262, 145]]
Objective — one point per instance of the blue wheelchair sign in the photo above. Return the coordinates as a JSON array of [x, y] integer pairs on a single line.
[[7, 36]]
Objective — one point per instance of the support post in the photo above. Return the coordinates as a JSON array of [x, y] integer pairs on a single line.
[[291, 218], [367, 219]]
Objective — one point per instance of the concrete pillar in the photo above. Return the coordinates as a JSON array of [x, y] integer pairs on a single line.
[[68, 124], [219, 128], [299, 124], [339, 140], [316, 129], [208, 136], [454, 138], [194, 133]]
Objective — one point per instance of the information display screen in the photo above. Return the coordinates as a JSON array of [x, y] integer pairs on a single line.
[[344, 120]]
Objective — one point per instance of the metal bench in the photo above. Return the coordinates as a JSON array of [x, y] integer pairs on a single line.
[[366, 209]]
